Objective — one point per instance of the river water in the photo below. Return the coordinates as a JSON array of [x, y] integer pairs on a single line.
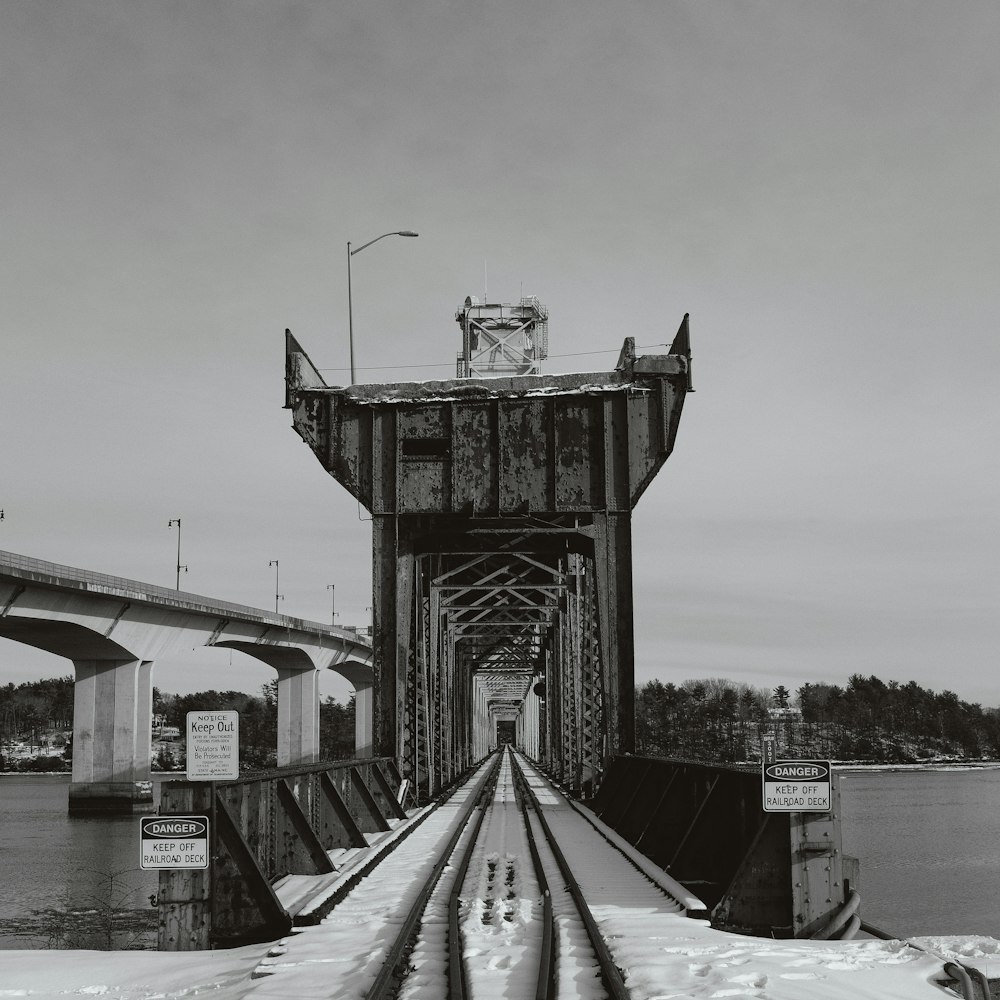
[[69, 881], [929, 844], [928, 841]]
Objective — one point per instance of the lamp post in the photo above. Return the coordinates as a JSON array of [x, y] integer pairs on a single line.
[[170, 524], [350, 310], [333, 602], [277, 596]]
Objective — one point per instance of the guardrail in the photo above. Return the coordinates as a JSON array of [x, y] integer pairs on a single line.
[[263, 827]]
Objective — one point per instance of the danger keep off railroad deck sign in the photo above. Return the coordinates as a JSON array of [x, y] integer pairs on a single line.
[[173, 841], [796, 786]]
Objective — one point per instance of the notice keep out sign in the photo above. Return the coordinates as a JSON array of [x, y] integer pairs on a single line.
[[797, 786]]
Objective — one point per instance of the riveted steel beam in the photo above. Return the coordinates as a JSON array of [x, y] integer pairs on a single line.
[[501, 530]]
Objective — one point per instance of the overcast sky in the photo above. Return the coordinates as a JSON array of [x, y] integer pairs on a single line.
[[815, 183]]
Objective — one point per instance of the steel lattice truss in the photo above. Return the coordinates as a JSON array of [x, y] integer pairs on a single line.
[[517, 624], [501, 525], [502, 339]]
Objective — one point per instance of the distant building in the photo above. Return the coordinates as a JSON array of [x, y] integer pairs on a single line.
[[784, 715]]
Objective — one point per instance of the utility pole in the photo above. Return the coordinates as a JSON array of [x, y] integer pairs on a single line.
[[170, 524], [277, 596], [332, 587]]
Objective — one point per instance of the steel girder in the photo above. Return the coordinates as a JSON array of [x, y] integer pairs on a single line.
[[501, 516]]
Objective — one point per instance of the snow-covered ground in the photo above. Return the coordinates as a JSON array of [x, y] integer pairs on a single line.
[[667, 956]]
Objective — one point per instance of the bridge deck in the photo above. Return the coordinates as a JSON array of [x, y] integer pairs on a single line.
[[25, 569]]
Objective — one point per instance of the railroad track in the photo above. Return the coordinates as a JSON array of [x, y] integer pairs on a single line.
[[501, 914]]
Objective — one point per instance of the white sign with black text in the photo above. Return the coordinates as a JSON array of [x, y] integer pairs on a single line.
[[213, 746], [797, 786], [167, 842]]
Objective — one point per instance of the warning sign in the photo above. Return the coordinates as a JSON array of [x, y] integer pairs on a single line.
[[173, 842], [797, 786], [213, 746]]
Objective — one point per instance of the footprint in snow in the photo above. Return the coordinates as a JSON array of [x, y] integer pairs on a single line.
[[756, 979]]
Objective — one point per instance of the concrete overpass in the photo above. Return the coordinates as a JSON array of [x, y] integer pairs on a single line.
[[114, 629]]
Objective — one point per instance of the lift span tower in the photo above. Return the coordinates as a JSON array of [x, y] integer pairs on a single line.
[[501, 514]]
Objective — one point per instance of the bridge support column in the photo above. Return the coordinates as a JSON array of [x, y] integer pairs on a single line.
[[298, 716], [364, 720], [112, 723], [527, 725], [483, 724]]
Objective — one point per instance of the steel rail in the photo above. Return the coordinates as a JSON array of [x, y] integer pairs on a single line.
[[545, 986], [383, 986], [611, 976], [458, 986]]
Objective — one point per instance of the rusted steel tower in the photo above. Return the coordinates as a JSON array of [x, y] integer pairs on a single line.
[[502, 583]]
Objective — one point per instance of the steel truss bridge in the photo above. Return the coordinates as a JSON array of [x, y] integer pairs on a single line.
[[502, 585]]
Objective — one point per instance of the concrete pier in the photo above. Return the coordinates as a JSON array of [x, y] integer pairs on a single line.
[[112, 721]]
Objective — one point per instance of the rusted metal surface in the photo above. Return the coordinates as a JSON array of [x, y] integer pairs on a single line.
[[768, 874], [501, 513], [263, 827]]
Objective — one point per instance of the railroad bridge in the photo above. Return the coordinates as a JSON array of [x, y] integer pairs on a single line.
[[503, 678], [502, 584]]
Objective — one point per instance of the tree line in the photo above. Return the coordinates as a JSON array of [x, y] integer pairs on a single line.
[[710, 720], [866, 720], [38, 712], [258, 724]]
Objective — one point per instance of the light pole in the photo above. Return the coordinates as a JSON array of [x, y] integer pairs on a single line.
[[333, 602], [170, 524], [277, 596], [350, 311]]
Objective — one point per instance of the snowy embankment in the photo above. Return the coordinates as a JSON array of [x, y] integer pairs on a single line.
[[667, 956]]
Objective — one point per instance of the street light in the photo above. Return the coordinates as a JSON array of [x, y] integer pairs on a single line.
[[333, 602], [277, 596], [350, 311], [170, 524]]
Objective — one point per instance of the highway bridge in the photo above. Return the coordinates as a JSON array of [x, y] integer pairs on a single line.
[[113, 630]]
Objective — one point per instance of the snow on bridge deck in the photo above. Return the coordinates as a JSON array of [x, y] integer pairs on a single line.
[[668, 956]]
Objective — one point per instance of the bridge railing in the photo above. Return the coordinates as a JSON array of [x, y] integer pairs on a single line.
[[764, 873], [263, 827]]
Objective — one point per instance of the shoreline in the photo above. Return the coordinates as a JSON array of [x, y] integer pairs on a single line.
[[839, 766]]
